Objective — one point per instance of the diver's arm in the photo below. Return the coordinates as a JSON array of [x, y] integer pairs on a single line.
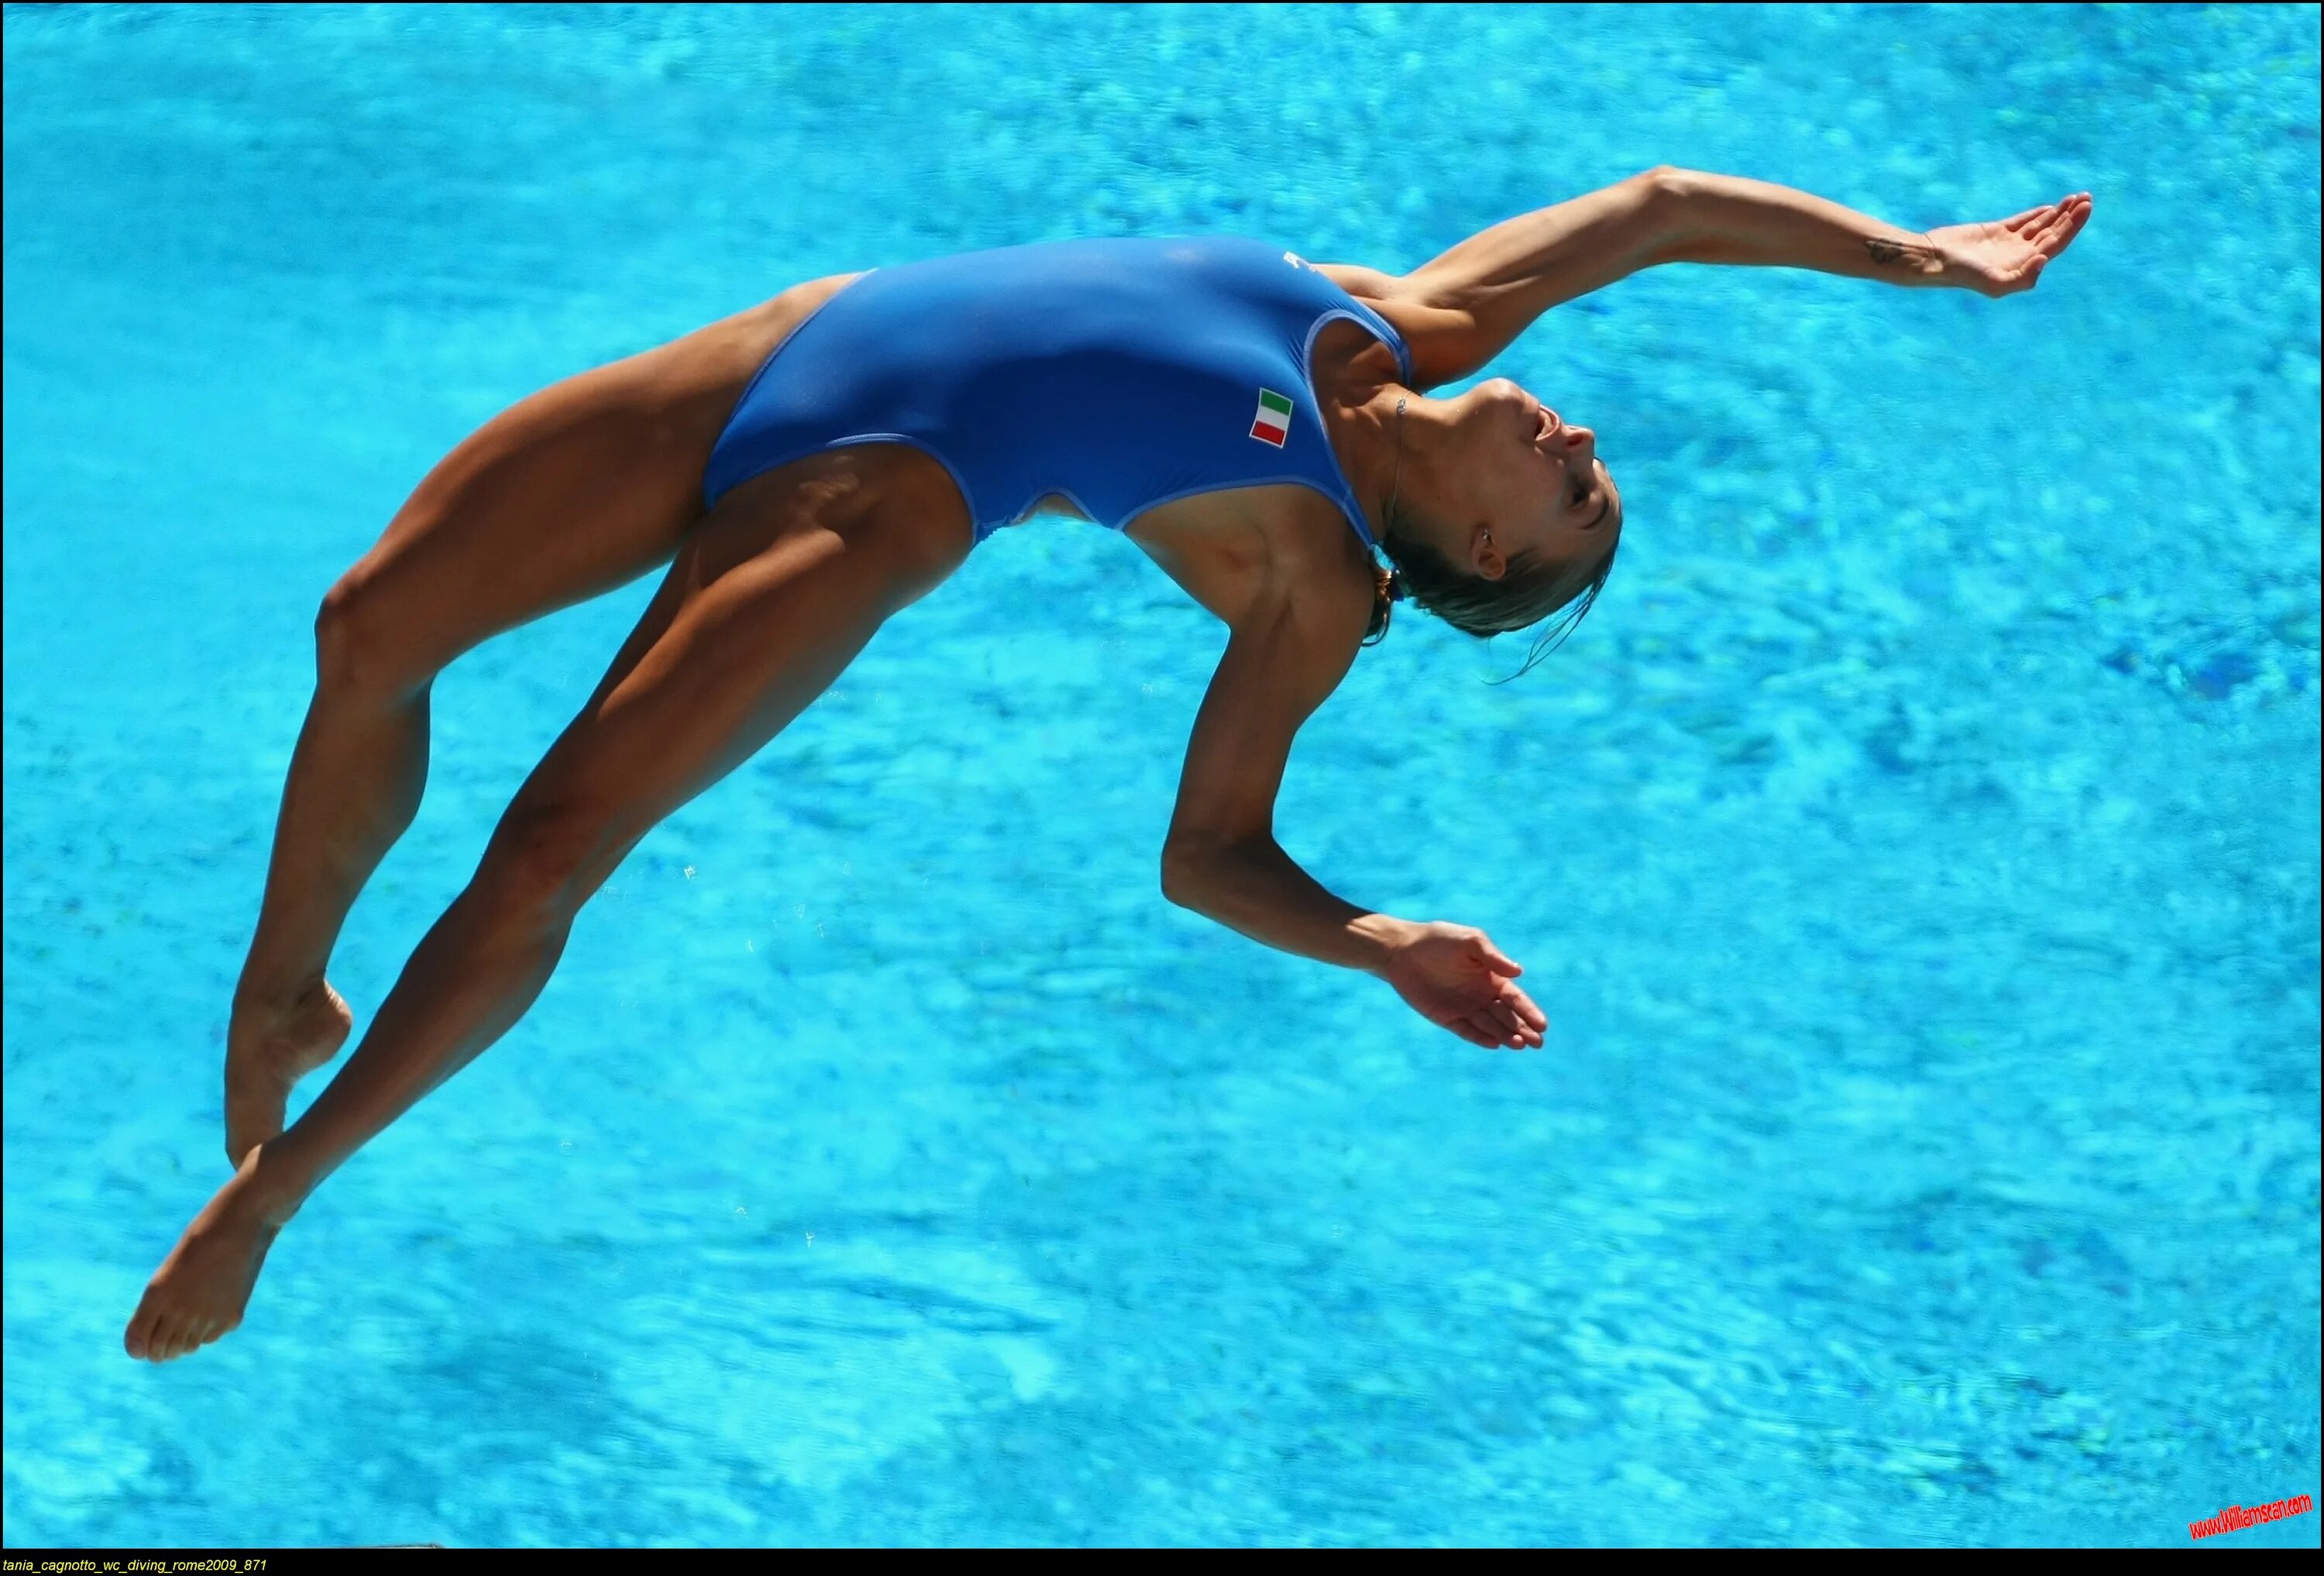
[[1727, 218], [1220, 859], [1459, 310]]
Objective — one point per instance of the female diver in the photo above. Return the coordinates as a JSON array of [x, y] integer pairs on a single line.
[[1258, 424]]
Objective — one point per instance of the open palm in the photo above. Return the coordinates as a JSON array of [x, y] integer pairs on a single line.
[[2007, 255]]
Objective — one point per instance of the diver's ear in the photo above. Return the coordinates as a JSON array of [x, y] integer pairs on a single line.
[[1484, 557]]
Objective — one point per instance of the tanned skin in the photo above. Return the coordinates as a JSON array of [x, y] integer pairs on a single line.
[[767, 597]]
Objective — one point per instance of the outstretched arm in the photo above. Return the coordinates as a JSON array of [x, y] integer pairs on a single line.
[[1725, 219], [1459, 310], [1285, 656]]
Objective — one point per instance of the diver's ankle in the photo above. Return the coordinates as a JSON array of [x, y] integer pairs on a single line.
[[273, 1187], [275, 993]]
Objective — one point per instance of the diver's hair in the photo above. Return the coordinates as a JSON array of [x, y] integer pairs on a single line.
[[1528, 591]]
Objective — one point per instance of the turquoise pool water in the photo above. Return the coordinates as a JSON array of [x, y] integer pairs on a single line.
[[1917, 851]]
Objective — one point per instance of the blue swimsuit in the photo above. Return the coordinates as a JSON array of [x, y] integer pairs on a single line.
[[1121, 373]]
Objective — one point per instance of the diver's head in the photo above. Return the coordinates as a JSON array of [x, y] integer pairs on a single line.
[[1502, 513]]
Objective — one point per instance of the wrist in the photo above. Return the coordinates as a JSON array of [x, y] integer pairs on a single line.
[[1904, 258], [1378, 937]]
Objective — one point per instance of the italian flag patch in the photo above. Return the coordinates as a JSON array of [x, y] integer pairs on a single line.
[[1273, 423]]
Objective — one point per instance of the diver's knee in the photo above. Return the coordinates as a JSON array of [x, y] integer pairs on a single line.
[[546, 857], [362, 646]]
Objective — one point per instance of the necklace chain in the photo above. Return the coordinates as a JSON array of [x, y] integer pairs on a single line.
[[1387, 515], [1390, 584]]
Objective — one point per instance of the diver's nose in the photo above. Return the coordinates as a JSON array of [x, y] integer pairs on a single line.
[[1579, 445]]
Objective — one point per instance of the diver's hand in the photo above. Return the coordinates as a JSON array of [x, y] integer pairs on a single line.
[[2007, 255], [1454, 977]]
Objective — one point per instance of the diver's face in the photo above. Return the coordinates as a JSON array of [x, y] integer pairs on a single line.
[[1530, 481]]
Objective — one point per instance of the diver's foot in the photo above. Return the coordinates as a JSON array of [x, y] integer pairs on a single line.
[[269, 1047], [199, 1292]]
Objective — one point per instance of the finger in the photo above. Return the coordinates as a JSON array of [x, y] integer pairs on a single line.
[[1470, 1032], [1535, 1018], [1513, 1029], [2075, 221], [1500, 962], [1489, 1033], [2015, 222], [1515, 1026], [1515, 1033]]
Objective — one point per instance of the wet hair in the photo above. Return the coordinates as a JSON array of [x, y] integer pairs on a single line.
[[1529, 590]]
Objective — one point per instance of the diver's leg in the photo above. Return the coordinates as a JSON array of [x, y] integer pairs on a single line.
[[569, 493], [768, 602]]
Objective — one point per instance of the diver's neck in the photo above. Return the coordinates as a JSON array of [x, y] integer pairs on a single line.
[[1367, 437]]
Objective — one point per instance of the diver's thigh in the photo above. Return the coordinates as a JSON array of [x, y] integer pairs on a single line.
[[766, 605], [567, 494]]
